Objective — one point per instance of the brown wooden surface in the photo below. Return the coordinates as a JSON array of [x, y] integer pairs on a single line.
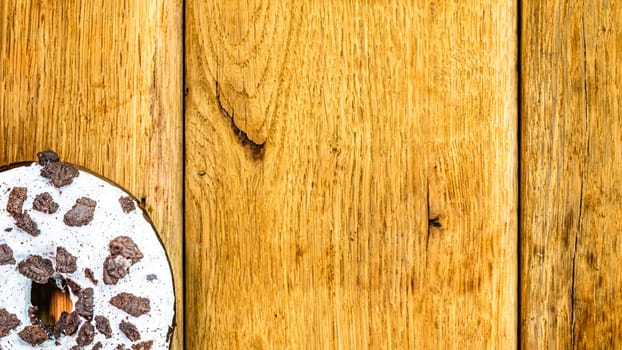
[[350, 166], [571, 175], [100, 82], [351, 175]]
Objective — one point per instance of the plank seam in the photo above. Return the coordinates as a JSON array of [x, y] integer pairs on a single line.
[[519, 107], [184, 92]]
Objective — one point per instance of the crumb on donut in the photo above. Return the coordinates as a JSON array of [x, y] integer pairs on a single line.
[[73, 286], [81, 213], [146, 345], [44, 203], [115, 268], [8, 322], [36, 268], [127, 204], [60, 173], [65, 261], [6, 255], [33, 335], [97, 346], [130, 330], [123, 254], [103, 326], [67, 324], [125, 247], [88, 273], [86, 334], [25, 223], [84, 305], [8, 229], [47, 157], [33, 316], [16, 201], [133, 305]]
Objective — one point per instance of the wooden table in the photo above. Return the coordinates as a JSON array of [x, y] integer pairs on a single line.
[[347, 174]]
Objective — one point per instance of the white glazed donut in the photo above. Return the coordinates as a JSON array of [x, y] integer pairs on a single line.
[[62, 225]]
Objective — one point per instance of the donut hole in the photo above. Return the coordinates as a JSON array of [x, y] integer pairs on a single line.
[[51, 299]]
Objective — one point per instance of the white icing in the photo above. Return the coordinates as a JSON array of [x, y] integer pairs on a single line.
[[90, 244]]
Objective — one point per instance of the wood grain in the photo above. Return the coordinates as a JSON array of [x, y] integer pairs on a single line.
[[351, 175], [101, 83], [571, 290]]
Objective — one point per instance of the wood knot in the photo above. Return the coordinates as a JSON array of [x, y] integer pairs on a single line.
[[434, 222]]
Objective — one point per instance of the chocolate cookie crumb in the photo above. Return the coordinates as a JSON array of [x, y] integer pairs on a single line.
[[6, 255], [73, 286], [33, 317], [33, 335], [127, 204], [120, 347], [151, 277], [84, 305], [81, 213], [97, 346], [60, 173], [8, 229], [133, 305], [115, 268], [33, 314], [16, 201], [26, 224], [65, 261], [146, 345], [103, 326], [47, 157], [130, 330], [86, 334], [125, 247], [123, 254], [88, 273], [8, 322], [36, 268], [46, 328], [67, 324], [44, 203]]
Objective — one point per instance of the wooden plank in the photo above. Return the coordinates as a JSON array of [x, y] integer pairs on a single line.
[[571, 290], [351, 175], [100, 82]]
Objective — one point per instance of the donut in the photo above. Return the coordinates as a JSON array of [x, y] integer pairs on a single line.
[[65, 230]]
